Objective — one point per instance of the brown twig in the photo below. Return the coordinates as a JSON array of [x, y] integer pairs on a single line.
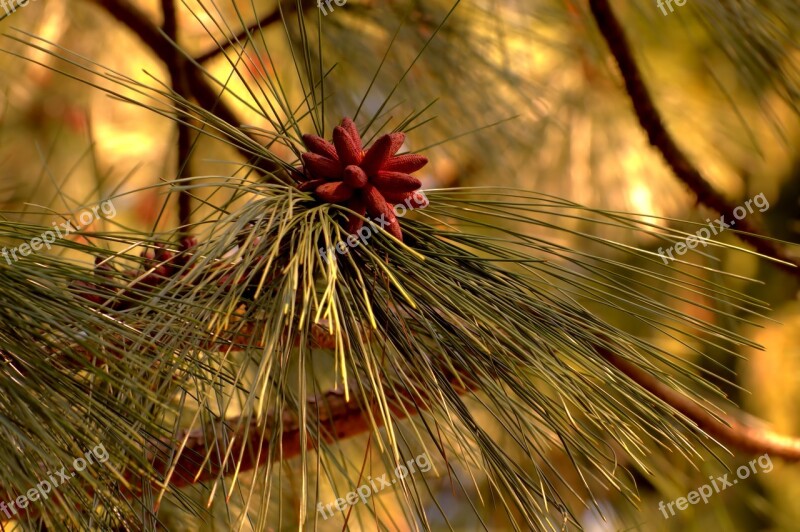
[[264, 22], [724, 429], [174, 63], [330, 413], [338, 419], [197, 83], [653, 124]]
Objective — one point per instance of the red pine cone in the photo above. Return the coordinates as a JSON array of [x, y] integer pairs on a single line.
[[370, 182]]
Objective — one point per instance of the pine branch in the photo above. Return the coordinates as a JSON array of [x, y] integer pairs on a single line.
[[174, 63], [238, 444], [339, 419], [653, 124], [244, 34], [342, 420], [242, 443], [247, 446], [205, 94], [723, 428], [336, 419]]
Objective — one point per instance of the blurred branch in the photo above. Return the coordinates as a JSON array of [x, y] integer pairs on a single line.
[[267, 20], [174, 63], [723, 428], [653, 124], [205, 94]]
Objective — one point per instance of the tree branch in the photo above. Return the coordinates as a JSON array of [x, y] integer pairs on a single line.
[[174, 62], [338, 419], [653, 124], [198, 450], [205, 94], [240, 444], [724, 429], [264, 22], [248, 446]]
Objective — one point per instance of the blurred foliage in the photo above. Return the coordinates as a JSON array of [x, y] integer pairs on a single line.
[[510, 94]]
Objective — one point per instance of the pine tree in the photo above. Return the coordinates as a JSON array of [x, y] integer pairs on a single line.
[[401, 265]]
